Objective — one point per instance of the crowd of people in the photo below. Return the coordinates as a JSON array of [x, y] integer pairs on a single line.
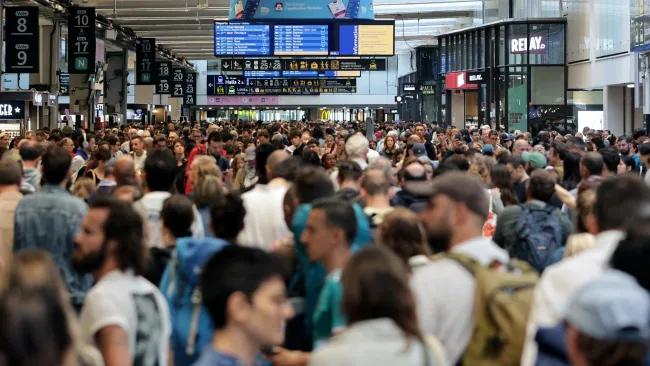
[[320, 243]]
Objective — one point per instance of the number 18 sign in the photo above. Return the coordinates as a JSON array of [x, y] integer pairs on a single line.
[[81, 40], [22, 40]]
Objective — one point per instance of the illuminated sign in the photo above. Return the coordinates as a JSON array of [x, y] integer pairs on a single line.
[[10, 110], [535, 44], [366, 40]]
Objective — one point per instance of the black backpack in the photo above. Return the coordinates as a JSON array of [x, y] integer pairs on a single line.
[[540, 236]]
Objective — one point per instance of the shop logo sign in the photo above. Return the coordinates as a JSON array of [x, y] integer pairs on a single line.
[[460, 80], [534, 44]]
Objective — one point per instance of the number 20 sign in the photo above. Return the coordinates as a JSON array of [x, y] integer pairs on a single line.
[[22, 40]]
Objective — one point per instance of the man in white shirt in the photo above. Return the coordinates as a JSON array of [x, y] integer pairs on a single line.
[[456, 209], [126, 147], [158, 177], [264, 221], [125, 315], [618, 200]]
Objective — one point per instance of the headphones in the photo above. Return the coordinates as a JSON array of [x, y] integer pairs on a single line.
[[85, 144]]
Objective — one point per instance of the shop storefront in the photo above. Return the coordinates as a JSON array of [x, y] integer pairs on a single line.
[[510, 74]]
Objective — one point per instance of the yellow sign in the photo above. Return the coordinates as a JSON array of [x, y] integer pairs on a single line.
[[376, 40]]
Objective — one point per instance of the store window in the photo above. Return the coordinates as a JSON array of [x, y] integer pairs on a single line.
[[517, 117], [546, 44], [585, 109], [547, 98], [518, 44]]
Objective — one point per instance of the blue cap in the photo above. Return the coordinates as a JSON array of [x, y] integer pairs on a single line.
[[488, 149], [611, 307], [419, 150]]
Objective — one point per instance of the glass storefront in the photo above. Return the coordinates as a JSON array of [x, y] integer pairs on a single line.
[[509, 74]]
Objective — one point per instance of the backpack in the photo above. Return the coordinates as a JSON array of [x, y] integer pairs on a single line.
[[503, 297], [540, 235], [192, 327], [490, 225]]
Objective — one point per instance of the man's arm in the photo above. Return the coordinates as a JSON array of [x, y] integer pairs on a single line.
[[113, 343]]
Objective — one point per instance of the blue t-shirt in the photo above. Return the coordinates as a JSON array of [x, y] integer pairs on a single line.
[[328, 315], [212, 357]]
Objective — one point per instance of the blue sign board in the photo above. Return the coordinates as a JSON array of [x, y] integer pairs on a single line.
[[349, 40], [301, 40], [261, 74], [300, 9], [241, 39]]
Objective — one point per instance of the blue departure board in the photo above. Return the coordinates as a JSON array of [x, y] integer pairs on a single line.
[[242, 39], [261, 74], [301, 40], [298, 74]]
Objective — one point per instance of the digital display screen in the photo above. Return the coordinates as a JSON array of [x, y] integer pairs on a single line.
[[261, 74], [366, 40], [301, 40], [242, 39]]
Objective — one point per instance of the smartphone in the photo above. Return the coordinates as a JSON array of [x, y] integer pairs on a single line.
[[353, 9], [251, 8], [337, 8], [239, 10]]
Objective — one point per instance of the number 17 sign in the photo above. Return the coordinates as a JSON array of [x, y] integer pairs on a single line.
[[81, 40]]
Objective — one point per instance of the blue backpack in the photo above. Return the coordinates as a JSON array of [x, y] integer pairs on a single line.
[[192, 327], [540, 236]]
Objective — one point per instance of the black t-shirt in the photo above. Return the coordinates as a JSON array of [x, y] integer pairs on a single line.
[[520, 190]]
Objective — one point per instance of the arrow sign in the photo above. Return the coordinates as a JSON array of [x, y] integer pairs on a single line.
[[225, 65]]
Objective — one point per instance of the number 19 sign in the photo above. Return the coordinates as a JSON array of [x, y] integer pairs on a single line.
[[81, 40], [22, 40]]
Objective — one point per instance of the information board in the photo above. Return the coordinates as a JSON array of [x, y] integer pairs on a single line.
[[81, 40], [273, 9], [163, 77], [301, 82], [301, 40], [189, 93], [240, 64], [178, 82], [22, 40], [300, 90], [242, 39], [145, 61], [64, 83], [366, 40], [301, 74]]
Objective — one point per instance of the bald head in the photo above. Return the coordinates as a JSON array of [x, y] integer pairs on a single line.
[[124, 170], [415, 139], [415, 172], [520, 146], [274, 159]]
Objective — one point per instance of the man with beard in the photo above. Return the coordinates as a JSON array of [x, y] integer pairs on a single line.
[[456, 209], [124, 314], [624, 147]]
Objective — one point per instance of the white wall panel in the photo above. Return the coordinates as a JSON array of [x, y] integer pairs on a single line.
[[578, 29]]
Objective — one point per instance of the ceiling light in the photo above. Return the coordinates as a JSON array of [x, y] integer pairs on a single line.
[[201, 108], [210, 108], [630, 86], [298, 107], [230, 108]]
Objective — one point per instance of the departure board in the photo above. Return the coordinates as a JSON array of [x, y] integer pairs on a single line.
[[301, 40], [242, 39], [366, 40]]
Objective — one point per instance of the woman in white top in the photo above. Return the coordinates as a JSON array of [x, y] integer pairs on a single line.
[[383, 328]]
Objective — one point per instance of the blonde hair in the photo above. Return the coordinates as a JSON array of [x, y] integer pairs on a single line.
[[84, 187], [578, 243]]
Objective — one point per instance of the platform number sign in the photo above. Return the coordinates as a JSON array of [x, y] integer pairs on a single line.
[[189, 94], [81, 40], [163, 77], [22, 40], [145, 58], [178, 82]]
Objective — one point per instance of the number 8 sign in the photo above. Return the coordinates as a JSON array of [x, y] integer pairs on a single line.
[[22, 40]]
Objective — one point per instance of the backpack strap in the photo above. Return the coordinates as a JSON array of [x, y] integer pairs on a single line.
[[194, 324], [468, 263]]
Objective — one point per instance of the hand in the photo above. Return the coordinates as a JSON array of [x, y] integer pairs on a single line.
[[285, 357]]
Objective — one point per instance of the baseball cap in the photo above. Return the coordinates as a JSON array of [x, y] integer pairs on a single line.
[[488, 149], [419, 150], [66, 130], [511, 137], [250, 153], [536, 159], [612, 307]]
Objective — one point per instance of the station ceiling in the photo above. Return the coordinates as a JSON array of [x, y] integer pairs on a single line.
[[185, 26]]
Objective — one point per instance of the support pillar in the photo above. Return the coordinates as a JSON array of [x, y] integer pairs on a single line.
[[115, 84]]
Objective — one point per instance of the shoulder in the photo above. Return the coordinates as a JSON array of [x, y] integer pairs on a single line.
[[334, 352], [441, 268]]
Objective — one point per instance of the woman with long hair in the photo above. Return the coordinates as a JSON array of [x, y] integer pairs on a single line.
[[383, 327], [571, 165], [402, 232], [34, 270], [500, 179], [207, 188], [389, 147]]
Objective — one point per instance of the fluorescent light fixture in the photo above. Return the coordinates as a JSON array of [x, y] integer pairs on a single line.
[[230, 108], [298, 107], [210, 108], [427, 7], [201, 108], [630, 86]]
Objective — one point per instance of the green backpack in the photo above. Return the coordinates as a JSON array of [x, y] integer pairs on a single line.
[[502, 301]]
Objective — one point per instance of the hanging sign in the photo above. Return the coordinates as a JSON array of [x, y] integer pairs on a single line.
[[82, 42], [22, 40], [145, 61]]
